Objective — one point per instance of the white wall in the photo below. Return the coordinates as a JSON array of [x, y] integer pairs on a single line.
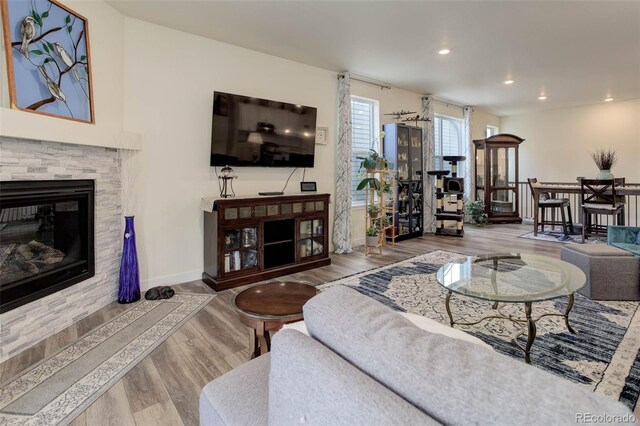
[[558, 142], [482, 119], [168, 97]]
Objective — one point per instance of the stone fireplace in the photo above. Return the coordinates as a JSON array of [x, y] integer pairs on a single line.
[[82, 259]]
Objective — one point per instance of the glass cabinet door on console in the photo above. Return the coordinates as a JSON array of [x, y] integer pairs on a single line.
[[311, 241], [240, 249], [497, 176]]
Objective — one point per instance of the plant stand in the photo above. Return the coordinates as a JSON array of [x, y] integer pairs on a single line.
[[384, 222]]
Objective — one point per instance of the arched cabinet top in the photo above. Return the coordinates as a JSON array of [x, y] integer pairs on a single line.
[[505, 138]]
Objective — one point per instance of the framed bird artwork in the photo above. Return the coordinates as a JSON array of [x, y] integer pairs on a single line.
[[48, 59]]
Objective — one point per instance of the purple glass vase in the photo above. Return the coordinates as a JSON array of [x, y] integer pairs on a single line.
[[129, 289]]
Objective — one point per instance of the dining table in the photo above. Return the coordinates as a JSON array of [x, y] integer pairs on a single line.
[[553, 189]]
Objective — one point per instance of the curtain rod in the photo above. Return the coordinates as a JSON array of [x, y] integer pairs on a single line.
[[447, 102], [362, 80], [381, 86]]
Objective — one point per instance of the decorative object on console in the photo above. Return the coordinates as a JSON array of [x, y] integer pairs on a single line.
[[47, 51], [129, 283], [497, 176], [308, 187], [605, 160], [225, 181], [158, 293]]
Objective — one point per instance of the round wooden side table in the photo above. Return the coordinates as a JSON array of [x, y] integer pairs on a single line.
[[267, 307]]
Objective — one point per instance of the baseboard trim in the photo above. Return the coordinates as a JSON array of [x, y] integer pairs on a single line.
[[171, 279]]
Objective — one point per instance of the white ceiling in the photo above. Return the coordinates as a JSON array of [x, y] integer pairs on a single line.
[[576, 52]]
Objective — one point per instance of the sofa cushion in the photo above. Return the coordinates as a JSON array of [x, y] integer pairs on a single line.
[[637, 241], [420, 321], [239, 397], [597, 250], [454, 381], [630, 247], [309, 383], [630, 236]]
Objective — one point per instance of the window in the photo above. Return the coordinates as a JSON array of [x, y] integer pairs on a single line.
[[448, 140], [364, 125], [491, 131]]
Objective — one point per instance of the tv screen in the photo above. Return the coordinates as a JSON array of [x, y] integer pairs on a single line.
[[258, 132]]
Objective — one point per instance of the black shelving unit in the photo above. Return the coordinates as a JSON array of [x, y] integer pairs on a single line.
[[403, 147]]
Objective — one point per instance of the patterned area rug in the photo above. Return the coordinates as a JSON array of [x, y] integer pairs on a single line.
[[604, 355], [60, 387], [559, 237]]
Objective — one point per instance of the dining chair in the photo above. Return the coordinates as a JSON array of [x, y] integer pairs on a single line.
[[547, 203], [598, 197]]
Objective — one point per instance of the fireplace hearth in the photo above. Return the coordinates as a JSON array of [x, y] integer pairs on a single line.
[[46, 238]]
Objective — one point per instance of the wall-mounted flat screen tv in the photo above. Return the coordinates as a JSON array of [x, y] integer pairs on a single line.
[[256, 132]]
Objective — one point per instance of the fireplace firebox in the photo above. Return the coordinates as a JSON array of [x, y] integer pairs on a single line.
[[46, 238]]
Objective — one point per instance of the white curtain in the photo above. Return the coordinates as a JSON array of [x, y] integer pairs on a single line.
[[342, 221], [428, 152], [469, 152]]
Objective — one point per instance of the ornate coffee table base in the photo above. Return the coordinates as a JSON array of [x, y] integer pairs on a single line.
[[265, 308], [529, 320]]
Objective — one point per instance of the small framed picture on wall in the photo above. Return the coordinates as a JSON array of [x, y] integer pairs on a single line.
[[322, 135]]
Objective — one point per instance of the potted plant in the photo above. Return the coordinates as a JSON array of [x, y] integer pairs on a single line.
[[476, 209], [373, 161], [370, 163], [372, 237], [605, 160], [374, 211]]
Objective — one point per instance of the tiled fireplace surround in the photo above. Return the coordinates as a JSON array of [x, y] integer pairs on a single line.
[[22, 159]]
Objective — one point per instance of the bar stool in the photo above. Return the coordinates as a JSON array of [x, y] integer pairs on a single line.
[[599, 198], [546, 202]]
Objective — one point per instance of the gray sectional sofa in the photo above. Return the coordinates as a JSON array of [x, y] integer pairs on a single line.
[[363, 364]]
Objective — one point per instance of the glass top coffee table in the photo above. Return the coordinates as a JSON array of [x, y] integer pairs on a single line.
[[512, 278]]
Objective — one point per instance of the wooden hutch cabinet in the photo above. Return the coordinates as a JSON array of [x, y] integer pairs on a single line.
[[252, 239], [497, 176]]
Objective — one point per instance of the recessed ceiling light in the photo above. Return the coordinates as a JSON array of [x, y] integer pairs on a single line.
[[508, 82], [542, 97], [444, 51], [608, 99]]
